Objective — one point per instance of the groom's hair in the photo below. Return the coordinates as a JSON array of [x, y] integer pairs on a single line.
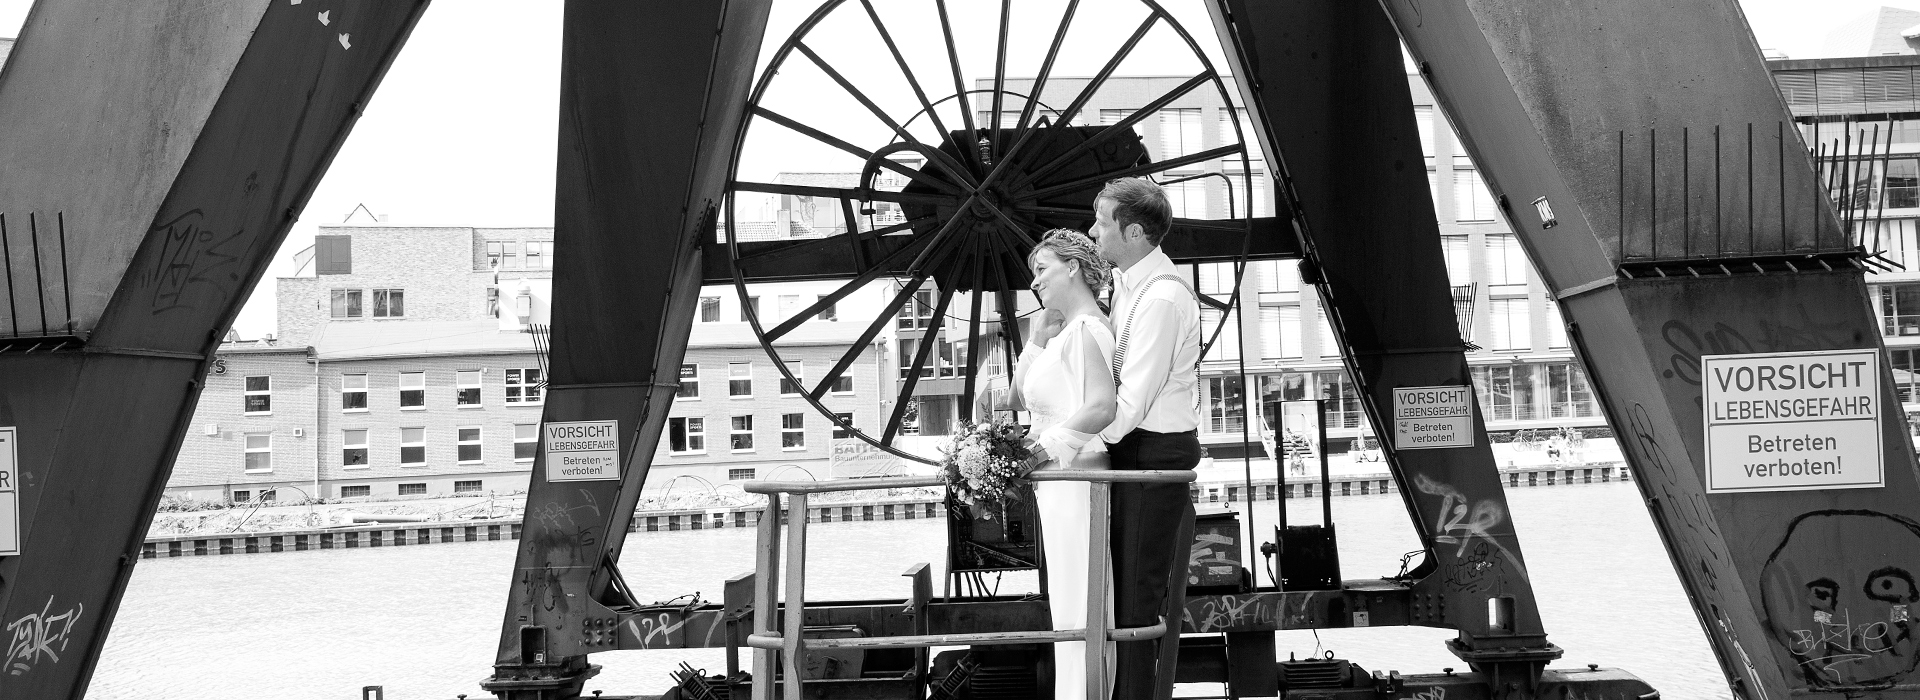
[[1137, 200]]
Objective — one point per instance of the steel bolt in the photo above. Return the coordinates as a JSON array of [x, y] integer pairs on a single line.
[[1593, 667], [1448, 670]]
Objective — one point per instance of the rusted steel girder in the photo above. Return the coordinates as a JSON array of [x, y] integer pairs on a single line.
[[651, 106], [1325, 80], [1686, 222], [178, 142]]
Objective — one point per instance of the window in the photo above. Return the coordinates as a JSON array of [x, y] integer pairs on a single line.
[[466, 388], [333, 255], [355, 491], [389, 303], [539, 255], [752, 306], [1226, 345], [1289, 319], [1505, 391], [739, 379], [1228, 136], [1188, 199], [1459, 260], [499, 254], [793, 387], [1343, 402], [259, 395], [353, 392], [1275, 389], [793, 431], [1270, 339], [687, 435], [1900, 309], [1423, 119], [827, 313], [493, 302], [1329, 346], [742, 434], [413, 447], [242, 496], [523, 386], [1568, 395], [709, 309], [346, 303], [259, 451], [916, 314], [747, 474], [1226, 404], [1471, 200], [1556, 327], [269, 496], [526, 441], [467, 444], [1906, 374], [1506, 264], [353, 449], [689, 382], [413, 489], [1509, 325], [1179, 134], [413, 390], [1903, 183], [839, 432], [472, 486], [843, 384]]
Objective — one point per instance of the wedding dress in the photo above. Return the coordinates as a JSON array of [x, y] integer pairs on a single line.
[[1053, 388]]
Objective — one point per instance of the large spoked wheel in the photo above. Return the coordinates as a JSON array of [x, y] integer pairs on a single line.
[[893, 171]]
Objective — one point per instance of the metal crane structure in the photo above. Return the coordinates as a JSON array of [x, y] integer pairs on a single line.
[[156, 153]]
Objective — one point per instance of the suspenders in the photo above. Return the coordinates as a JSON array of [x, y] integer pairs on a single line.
[[1126, 330]]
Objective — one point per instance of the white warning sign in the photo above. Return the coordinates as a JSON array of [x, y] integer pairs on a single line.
[[9, 493], [583, 450], [1426, 417], [1792, 421]]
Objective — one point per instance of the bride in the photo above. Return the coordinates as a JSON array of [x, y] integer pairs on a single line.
[[1063, 380]]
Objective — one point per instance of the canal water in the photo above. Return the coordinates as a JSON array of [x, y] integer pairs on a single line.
[[423, 621]]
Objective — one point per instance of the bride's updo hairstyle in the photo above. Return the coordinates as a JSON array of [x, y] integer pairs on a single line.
[[1074, 246]]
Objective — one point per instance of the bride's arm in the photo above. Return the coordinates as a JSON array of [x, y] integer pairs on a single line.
[[1088, 362]]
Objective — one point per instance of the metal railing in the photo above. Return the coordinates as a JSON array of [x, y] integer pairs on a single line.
[[768, 638]]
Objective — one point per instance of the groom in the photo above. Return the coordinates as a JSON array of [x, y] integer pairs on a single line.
[[1156, 318]]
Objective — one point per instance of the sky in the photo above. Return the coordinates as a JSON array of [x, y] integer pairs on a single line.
[[461, 132]]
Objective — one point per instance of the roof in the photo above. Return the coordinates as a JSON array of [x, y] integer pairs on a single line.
[[1879, 32], [361, 340], [259, 347]]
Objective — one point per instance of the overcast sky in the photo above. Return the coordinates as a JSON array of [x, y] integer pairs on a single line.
[[461, 132]]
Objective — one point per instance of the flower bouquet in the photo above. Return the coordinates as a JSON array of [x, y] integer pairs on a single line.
[[983, 466]]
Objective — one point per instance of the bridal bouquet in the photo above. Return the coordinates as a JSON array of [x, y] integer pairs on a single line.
[[983, 465]]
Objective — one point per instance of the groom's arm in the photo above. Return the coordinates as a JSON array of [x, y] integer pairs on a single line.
[[1149, 363]]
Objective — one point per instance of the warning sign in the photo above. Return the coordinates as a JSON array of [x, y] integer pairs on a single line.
[[1427, 417], [583, 450], [9, 494], [1792, 421]]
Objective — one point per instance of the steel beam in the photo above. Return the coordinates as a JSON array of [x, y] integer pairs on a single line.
[[1330, 98], [652, 100], [178, 142], [1687, 221]]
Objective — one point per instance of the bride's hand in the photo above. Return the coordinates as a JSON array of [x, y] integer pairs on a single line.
[[1051, 322]]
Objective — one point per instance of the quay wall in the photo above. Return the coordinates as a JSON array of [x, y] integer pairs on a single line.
[[410, 534]]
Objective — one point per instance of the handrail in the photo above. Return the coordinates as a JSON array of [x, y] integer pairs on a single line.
[[766, 639], [1141, 476]]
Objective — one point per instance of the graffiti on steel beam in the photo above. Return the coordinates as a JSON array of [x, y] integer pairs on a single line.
[[40, 635], [1226, 612], [1688, 344], [1479, 559], [647, 627], [1435, 693], [190, 254], [1846, 619]]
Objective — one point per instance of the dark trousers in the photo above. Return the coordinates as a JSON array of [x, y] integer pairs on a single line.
[[1152, 535]]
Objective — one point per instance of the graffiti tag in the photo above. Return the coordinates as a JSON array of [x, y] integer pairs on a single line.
[[40, 635], [190, 254]]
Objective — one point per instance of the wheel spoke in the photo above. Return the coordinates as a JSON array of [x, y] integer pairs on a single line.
[[1000, 75], [1008, 303], [901, 61], [834, 297], [959, 81], [1046, 66], [861, 153], [854, 193], [878, 113], [886, 316], [855, 240], [1079, 101], [853, 224], [973, 327], [928, 339], [1136, 171], [1009, 223], [1114, 130]]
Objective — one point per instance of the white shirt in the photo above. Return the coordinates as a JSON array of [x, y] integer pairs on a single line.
[[1157, 380]]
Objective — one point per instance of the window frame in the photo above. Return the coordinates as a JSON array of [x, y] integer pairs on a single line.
[[248, 450], [734, 380], [248, 393], [359, 491], [383, 302], [469, 485], [402, 390], [798, 385], [346, 390], [344, 303], [839, 433], [734, 473], [418, 489], [689, 382], [461, 442], [709, 304], [684, 428], [793, 432], [461, 387], [544, 255], [347, 445], [735, 432], [420, 443], [526, 391], [532, 438]]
